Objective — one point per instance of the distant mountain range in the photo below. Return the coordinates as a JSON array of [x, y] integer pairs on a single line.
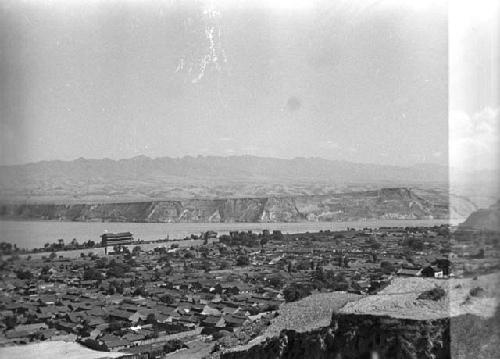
[[302, 188], [226, 189], [144, 178], [232, 167]]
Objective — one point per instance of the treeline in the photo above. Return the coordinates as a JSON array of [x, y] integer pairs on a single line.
[[250, 239]]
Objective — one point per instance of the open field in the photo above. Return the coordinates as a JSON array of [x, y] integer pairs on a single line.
[[54, 350], [399, 299]]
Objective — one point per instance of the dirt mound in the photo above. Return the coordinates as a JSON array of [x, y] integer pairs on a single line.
[[401, 298]]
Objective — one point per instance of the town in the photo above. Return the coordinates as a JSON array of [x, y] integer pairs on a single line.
[[149, 299]]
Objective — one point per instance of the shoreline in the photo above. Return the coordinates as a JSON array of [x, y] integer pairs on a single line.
[[187, 241]]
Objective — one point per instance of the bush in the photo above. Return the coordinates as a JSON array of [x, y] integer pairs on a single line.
[[434, 294], [136, 251], [24, 274], [294, 292], [167, 299], [91, 274], [117, 270], [173, 345], [477, 292], [242, 260]]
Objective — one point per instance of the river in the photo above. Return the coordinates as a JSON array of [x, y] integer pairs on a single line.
[[34, 234]]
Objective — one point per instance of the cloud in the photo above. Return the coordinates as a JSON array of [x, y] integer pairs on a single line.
[[474, 140]]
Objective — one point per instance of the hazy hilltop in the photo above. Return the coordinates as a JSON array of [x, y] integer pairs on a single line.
[[141, 178], [231, 167], [485, 219]]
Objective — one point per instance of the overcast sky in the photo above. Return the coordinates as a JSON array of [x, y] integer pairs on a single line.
[[474, 96], [363, 81]]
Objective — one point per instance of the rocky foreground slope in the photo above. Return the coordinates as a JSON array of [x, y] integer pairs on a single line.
[[352, 336], [386, 203], [397, 324]]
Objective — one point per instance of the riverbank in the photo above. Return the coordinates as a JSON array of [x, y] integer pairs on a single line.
[[34, 234]]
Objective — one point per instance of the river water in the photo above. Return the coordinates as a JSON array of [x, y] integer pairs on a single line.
[[34, 234]]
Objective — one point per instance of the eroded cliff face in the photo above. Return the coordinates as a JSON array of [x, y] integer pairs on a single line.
[[389, 203], [351, 336], [484, 219]]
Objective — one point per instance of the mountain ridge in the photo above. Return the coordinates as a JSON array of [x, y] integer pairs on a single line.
[[144, 178], [385, 203], [202, 163]]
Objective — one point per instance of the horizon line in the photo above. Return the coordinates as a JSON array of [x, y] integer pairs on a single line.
[[81, 158]]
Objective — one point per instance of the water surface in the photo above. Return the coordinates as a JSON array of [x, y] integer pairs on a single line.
[[34, 234]]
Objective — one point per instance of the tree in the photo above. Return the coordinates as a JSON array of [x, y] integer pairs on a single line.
[[242, 260], [90, 244], [434, 294], [304, 265], [24, 274], [206, 266], [173, 345], [374, 244], [91, 274], [164, 259], [346, 261], [276, 281], [416, 244], [115, 326], [10, 321], [116, 286], [294, 292], [387, 267], [52, 256], [117, 269], [151, 319], [136, 250], [45, 270], [140, 291], [167, 299], [101, 262]]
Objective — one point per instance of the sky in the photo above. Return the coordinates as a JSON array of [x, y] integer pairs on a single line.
[[474, 88], [362, 81]]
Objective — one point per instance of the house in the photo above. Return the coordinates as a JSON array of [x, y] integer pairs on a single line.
[[118, 314], [362, 285], [113, 343], [432, 271], [234, 321], [213, 321], [207, 310], [405, 272]]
